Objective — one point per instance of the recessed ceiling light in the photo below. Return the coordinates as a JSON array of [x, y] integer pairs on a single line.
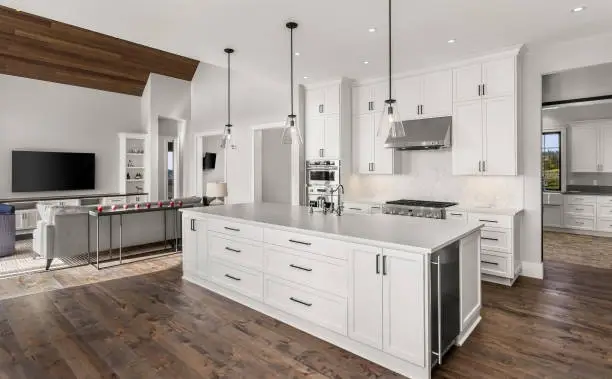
[[452, 40], [578, 9], [372, 30], [306, 77], [366, 62], [297, 54]]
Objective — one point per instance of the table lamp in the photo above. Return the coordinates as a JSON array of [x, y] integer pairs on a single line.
[[216, 191]]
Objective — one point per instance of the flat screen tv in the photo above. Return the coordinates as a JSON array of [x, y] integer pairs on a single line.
[[39, 171], [209, 161]]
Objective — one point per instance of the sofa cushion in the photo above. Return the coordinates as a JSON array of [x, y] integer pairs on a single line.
[[48, 211]]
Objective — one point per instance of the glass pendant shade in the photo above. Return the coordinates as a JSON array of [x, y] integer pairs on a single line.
[[227, 137], [390, 123], [291, 132]]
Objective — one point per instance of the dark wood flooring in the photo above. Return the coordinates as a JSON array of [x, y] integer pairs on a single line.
[[157, 326]]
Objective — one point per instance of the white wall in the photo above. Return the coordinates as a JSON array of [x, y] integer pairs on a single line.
[[579, 83], [40, 115], [167, 98], [540, 60], [255, 101], [428, 175], [210, 144]]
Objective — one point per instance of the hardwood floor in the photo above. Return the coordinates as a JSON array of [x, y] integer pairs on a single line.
[[157, 326], [578, 249]]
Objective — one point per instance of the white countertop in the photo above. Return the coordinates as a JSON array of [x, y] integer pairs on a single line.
[[419, 234], [485, 210]]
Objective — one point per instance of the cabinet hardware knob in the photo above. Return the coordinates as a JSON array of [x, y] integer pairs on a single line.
[[493, 221], [232, 229], [300, 301], [232, 250], [232, 277], [456, 214], [384, 265], [378, 263], [489, 239], [490, 263], [300, 268], [479, 90]]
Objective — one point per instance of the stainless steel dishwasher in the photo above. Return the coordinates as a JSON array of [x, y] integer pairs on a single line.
[[445, 302]]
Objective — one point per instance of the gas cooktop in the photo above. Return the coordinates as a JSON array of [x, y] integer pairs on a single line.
[[417, 208]]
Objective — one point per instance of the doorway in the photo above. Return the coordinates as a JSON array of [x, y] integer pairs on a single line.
[[271, 166], [169, 159], [576, 168]]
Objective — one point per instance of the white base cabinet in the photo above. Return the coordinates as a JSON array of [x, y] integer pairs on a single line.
[[369, 300]]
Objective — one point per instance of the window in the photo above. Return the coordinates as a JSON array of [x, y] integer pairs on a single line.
[[551, 161]]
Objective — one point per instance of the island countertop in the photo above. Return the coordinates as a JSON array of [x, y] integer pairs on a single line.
[[420, 234]]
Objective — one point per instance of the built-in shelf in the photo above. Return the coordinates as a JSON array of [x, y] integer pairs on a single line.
[[134, 153], [132, 163], [134, 180], [135, 168]]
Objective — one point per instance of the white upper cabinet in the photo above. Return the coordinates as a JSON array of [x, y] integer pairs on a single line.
[[499, 136], [437, 95], [429, 95], [485, 118], [380, 94], [363, 131], [467, 138], [327, 122], [591, 147], [363, 99]]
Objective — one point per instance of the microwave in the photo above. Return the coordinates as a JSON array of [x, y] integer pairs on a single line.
[[323, 172]]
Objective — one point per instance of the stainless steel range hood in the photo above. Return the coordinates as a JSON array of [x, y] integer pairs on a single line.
[[424, 134]]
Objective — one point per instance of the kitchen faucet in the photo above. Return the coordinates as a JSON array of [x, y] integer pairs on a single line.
[[340, 207]]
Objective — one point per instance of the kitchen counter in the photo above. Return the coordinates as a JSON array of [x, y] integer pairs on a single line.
[[420, 234], [485, 210], [588, 190]]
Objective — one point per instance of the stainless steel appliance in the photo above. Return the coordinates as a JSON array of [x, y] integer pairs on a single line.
[[323, 176], [424, 134], [444, 301], [417, 208], [323, 173]]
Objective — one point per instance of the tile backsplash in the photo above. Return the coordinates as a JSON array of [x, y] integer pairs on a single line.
[[427, 175]]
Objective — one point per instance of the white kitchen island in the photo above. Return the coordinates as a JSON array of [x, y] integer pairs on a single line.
[[398, 291]]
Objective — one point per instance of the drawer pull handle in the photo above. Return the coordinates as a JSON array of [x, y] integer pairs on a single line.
[[579, 209], [300, 268], [233, 250], [300, 301], [300, 242], [356, 209], [232, 277], [457, 214], [232, 229], [493, 221], [489, 239], [490, 263]]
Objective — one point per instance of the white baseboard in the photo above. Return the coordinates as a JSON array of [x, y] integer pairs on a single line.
[[533, 270]]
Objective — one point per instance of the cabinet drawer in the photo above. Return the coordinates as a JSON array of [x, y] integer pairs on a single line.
[[604, 212], [457, 215], [579, 199], [494, 221], [236, 229], [495, 264], [495, 239], [235, 250], [577, 222], [314, 271], [242, 280], [604, 200], [584, 210], [311, 244], [604, 225], [322, 309]]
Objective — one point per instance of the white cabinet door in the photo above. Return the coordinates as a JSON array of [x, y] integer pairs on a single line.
[[499, 156], [466, 81], [437, 94], [498, 77], [404, 306], [552, 215], [467, 138], [409, 97], [605, 148], [315, 102], [362, 100], [383, 157], [584, 157], [380, 93], [190, 245], [331, 149], [332, 100], [365, 296], [201, 260], [315, 137], [470, 285], [364, 138]]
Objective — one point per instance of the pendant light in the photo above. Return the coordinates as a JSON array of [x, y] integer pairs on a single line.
[[291, 132], [390, 123], [227, 133]]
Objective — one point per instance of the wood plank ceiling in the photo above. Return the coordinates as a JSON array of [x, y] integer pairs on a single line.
[[40, 48]]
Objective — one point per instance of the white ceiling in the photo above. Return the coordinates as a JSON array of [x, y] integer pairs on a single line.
[[333, 36]]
